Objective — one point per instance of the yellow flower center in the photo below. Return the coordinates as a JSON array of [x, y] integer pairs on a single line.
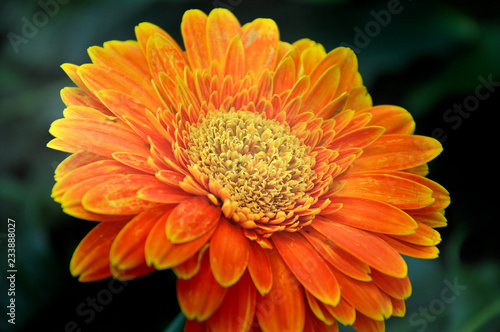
[[263, 166]]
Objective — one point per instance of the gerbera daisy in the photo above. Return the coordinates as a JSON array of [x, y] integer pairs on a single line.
[[257, 170]]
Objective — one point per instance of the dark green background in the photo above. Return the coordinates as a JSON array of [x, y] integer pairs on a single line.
[[429, 57]]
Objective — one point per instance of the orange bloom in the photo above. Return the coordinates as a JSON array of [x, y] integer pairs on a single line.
[[255, 169]]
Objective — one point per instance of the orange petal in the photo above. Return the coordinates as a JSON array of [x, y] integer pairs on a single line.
[[127, 250], [412, 250], [189, 268], [366, 324], [125, 57], [78, 211], [399, 288], [222, 26], [434, 220], [365, 297], [164, 55], [398, 307], [90, 260], [74, 195], [193, 27], [424, 235], [259, 268], [308, 266], [282, 309], [260, 39], [228, 253], [162, 193], [92, 170], [359, 99], [130, 274], [119, 196], [336, 256], [236, 313], [395, 119], [314, 324], [80, 97], [284, 76], [323, 90], [387, 188], [358, 138], [145, 30], [191, 219], [200, 296], [75, 161], [234, 60], [97, 78], [98, 136], [373, 216], [396, 152], [319, 310], [133, 160], [344, 312], [367, 247], [163, 254], [439, 193], [122, 105]]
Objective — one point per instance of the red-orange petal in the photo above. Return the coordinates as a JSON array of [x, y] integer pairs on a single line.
[[336, 256], [200, 296], [127, 250], [90, 260], [189, 268], [163, 254], [366, 324], [366, 246], [259, 267], [228, 253], [236, 313], [365, 297], [282, 309], [191, 219], [399, 288], [307, 266], [119, 196], [373, 216]]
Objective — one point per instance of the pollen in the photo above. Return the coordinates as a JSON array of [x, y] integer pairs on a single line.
[[266, 170]]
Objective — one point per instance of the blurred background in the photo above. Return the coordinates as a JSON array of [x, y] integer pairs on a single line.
[[437, 59]]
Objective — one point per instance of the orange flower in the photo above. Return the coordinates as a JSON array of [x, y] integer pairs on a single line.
[[257, 170]]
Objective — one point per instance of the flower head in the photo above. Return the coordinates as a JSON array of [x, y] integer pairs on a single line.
[[258, 170]]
